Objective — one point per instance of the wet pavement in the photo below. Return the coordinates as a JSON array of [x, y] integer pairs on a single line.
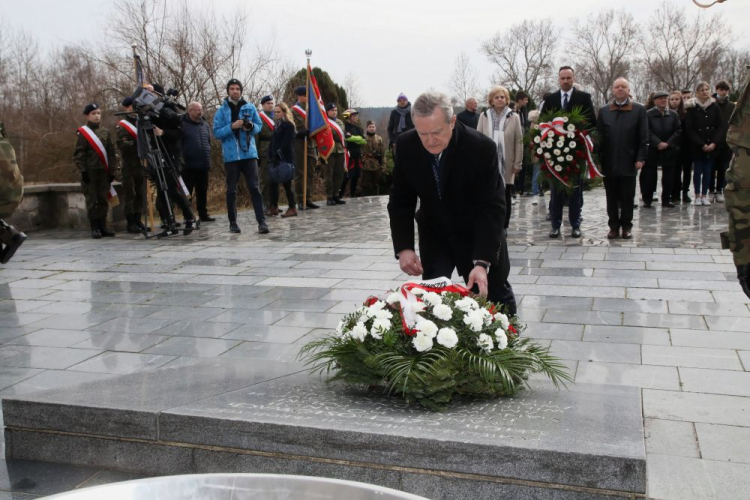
[[662, 312]]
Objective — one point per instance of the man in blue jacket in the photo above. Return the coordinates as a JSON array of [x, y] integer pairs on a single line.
[[236, 124]]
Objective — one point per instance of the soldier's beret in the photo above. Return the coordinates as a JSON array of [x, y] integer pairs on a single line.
[[128, 101], [265, 99], [301, 90], [330, 106], [89, 108]]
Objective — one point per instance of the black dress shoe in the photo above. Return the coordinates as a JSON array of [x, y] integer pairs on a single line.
[[647, 205], [330, 202], [234, 228], [668, 205], [576, 233], [312, 205], [555, 233], [549, 216], [263, 228], [626, 235], [207, 218], [339, 201]]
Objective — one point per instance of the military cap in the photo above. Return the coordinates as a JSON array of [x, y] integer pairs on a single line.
[[330, 106], [660, 93], [301, 90], [265, 99], [234, 81], [128, 101], [89, 108]]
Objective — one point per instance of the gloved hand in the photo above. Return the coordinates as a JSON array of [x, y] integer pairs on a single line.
[[743, 275], [85, 177]]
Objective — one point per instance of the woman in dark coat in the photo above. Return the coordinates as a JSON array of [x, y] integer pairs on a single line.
[[282, 149], [703, 126], [684, 166]]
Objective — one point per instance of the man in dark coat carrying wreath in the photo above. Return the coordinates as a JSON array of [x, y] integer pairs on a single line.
[[453, 171]]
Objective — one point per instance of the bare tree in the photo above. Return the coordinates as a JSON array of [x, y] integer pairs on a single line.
[[464, 81], [681, 50], [732, 67], [352, 88], [602, 46], [524, 54]]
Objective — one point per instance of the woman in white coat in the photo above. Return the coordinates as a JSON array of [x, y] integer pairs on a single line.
[[503, 126]]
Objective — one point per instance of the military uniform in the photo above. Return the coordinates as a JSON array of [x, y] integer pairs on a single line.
[[133, 175], [737, 191], [11, 180], [299, 155], [336, 166], [264, 141], [95, 177], [373, 164]]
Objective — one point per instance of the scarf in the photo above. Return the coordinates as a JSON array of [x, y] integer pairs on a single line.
[[499, 122], [402, 117], [706, 103]]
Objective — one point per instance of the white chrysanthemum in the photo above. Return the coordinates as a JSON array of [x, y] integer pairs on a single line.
[[466, 304], [340, 327], [432, 298], [560, 143], [486, 316], [572, 144], [374, 308], [393, 298], [447, 337], [556, 152], [537, 139], [503, 320], [502, 339], [569, 158], [560, 159], [417, 307], [376, 333], [381, 324], [417, 291], [558, 168], [565, 119], [485, 342], [427, 327], [474, 320], [422, 343], [571, 135], [571, 127], [383, 314], [549, 143], [442, 311], [539, 151], [358, 332], [547, 155]]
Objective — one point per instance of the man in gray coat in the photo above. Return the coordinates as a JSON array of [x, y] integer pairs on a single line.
[[623, 148]]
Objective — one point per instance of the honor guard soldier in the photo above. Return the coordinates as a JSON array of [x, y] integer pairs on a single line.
[[11, 194], [299, 113], [94, 156], [336, 161], [133, 172], [264, 140], [373, 164]]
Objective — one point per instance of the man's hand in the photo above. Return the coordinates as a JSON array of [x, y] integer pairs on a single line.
[[158, 132], [743, 275], [711, 147], [638, 165], [478, 276], [662, 146], [409, 262], [237, 124]]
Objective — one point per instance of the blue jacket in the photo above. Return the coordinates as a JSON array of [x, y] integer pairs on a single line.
[[235, 149]]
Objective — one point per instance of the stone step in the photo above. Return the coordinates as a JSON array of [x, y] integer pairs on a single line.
[[238, 415]]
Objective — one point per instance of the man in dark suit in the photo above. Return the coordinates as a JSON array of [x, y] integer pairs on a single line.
[[566, 99], [453, 171]]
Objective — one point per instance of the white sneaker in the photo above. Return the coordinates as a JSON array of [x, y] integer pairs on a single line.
[[705, 201], [719, 198], [535, 200], [512, 201], [697, 201]]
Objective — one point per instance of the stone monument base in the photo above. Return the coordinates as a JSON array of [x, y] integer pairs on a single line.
[[227, 415]]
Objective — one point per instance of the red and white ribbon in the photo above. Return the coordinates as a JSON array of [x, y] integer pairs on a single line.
[[300, 110], [96, 145], [592, 171], [130, 128], [267, 120], [556, 126], [407, 298]]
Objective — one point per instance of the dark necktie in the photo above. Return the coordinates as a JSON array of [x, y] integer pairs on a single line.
[[436, 172], [565, 101]]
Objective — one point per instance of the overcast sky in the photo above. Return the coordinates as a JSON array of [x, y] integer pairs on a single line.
[[391, 46]]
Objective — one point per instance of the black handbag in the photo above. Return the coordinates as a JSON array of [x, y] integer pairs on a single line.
[[281, 172]]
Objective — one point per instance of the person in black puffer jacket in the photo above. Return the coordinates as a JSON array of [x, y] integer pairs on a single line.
[[703, 126], [196, 156], [282, 149]]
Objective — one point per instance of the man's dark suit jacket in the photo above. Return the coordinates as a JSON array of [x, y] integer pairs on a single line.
[[472, 209], [577, 98]]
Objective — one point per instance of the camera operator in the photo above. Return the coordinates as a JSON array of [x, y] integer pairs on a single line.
[[236, 124], [11, 194], [133, 173], [166, 120]]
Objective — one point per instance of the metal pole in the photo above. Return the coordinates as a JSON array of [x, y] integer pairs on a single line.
[[144, 163], [308, 53]]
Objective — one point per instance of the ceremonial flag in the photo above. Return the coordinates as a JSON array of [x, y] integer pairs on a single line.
[[317, 120], [138, 70]]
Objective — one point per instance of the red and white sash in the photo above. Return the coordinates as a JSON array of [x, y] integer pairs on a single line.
[[267, 120], [129, 127], [300, 110], [335, 127], [98, 147]]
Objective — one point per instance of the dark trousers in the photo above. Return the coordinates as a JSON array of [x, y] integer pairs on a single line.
[[440, 255], [334, 174], [176, 196], [520, 183], [273, 188], [351, 178], [196, 179], [721, 164], [370, 182], [248, 168], [682, 174], [648, 180], [620, 193], [95, 192], [265, 183], [575, 203], [133, 189], [508, 204]]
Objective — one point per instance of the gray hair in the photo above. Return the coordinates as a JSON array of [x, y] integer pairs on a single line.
[[426, 104], [193, 104]]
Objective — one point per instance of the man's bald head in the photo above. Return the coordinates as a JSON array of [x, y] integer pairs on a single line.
[[195, 111], [621, 89]]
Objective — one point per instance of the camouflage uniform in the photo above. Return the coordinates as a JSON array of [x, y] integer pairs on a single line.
[[299, 155], [11, 180], [133, 172], [373, 164], [91, 168], [264, 142], [737, 192], [335, 168]]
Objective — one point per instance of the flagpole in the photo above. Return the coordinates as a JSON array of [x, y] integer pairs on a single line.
[[308, 53], [149, 191]]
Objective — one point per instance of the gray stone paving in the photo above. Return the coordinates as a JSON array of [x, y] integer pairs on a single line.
[[662, 312]]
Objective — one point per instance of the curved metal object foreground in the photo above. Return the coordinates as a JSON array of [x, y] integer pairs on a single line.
[[236, 487], [706, 6]]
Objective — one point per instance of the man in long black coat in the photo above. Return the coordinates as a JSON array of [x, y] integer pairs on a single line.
[[566, 99], [453, 171]]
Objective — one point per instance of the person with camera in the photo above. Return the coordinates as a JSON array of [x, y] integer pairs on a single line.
[[94, 156], [300, 123], [11, 194], [131, 168], [196, 157], [373, 164], [281, 149], [236, 124]]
